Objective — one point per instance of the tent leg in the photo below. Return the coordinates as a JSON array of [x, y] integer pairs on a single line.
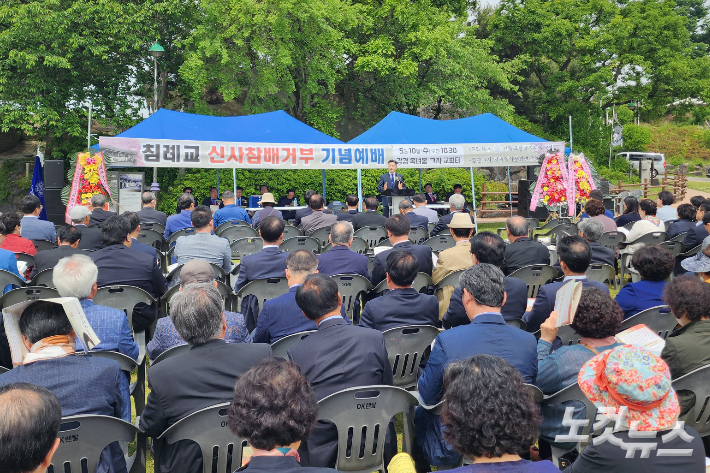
[[323, 183], [420, 180], [359, 189], [510, 194], [217, 171], [234, 179], [473, 194]]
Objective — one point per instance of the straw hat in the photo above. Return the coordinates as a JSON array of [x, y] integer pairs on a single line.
[[268, 198], [700, 262], [461, 220]]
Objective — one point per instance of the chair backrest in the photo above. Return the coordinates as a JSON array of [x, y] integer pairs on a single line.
[[219, 273], [535, 276], [430, 226], [564, 230], [230, 223], [536, 392], [372, 235], [28, 259], [675, 247], [574, 393], [180, 233], [151, 238], [237, 232], [659, 319], [567, 335], [208, 429], [655, 238], [279, 349], [552, 223], [157, 227], [42, 245], [6, 277], [263, 289], [678, 237], [420, 284], [43, 278], [359, 245], [321, 235], [451, 279], [629, 225], [693, 251], [601, 272], [82, 438], [246, 246], [697, 381], [300, 243], [362, 414], [290, 231], [417, 234], [27, 293], [352, 287], [170, 352], [517, 323], [123, 298], [405, 348], [441, 242], [612, 239], [126, 363]]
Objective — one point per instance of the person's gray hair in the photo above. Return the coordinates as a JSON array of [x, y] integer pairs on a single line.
[[457, 201], [486, 283], [184, 201], [78, 220], [302, 262], [405, 204], [74, 276], [591, 228], [341, 233], [147, 197], [196, 312], [227, 195], [98, 200], [517, 226]]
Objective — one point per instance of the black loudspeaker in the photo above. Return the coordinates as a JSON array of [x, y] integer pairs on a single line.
[[524, 198], [57, 219], [53, 174], [53, 202]]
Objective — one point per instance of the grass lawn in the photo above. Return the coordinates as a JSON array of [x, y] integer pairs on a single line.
[[699, 186]]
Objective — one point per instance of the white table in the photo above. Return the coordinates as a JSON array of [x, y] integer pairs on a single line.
[[438, 206], [256, 209]]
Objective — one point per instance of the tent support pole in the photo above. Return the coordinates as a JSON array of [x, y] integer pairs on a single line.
[[359, 189], [510, 194], [473, 194], [234, 179], [323, 183], [217, 171], [420, 180]]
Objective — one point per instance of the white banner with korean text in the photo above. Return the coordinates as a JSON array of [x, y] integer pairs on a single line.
[[145, 152]]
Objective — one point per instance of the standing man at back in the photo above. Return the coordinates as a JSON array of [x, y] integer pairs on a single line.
[[31, 226], [318, 218], [522, 251], [148, 213], [391, 180]]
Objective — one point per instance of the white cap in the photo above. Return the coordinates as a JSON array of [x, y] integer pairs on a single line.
[[79, 212]]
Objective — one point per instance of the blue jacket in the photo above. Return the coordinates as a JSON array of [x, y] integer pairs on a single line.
[[516, 302], [341, 260], [398, 308], [8, 262], [35, 229], [268, 263], [281, 316], [143, 248], [228, 213], [545, 302], [111, 326], [679, 226], [640, 295], [607, 212], [177, 222]]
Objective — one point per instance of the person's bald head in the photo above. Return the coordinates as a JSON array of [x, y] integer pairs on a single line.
[[517, 227]]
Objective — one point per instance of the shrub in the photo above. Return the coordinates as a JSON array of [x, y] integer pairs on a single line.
[[636, 138]]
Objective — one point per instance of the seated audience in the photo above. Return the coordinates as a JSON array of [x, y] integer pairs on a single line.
[[340, 259], [148, 213], [592, 230], [318, 218], [90, 237], [453, 259], [398, 228], [240, 199], [649, 223], [457, 204], [698, 233], [267, 203], [688, 346], [597, 320], [320, 301], [182, 219], [83, 384], [29, 428], [489, 248], [351, 201], [495, 428], [32, 227], [596, 210], [8, 260], [402, 304], [522, 251], [700, 263], [118, 265], [230, 212], [631, 212], [98, 214], [431, 198], [300, 213], [697, 200], [654, 264], [204, 244], [420, 208], [199, 378], [634, 386], [213, 199], [287, 201], [487, 334], [13, 241], [664, 210], [134, 223], [686, 220], [281, 316], [370, 217], [575, 256], [166, 335], [407, 209], [68, 240], [597, 195], [75, 276], [274, 408]]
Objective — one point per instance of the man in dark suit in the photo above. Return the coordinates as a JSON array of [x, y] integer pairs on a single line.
[[407, 209], [213, 199], [239, 199], [134, 223], [522, 251], [340, 259], [401, 305], [390, 181], [202, 377], [457, 202], [68, 240], [489, 248], [370, 217], [318, 359], [575, 256], [431, 198], [398, 229], [118, 265], [90, 237], [351, 201], [85, 385], [281, 316], [98, 214], [300, 213], [591, 230], [148, 214]]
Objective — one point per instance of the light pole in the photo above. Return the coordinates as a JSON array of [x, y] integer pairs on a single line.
[[156, 51]]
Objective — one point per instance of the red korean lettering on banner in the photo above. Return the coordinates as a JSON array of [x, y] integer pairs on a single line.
[[271, 156], [306, 155], [216, 157], [290, 154], [253, 155], [233, 156]]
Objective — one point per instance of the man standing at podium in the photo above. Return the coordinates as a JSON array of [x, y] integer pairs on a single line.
[[391, 180]]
